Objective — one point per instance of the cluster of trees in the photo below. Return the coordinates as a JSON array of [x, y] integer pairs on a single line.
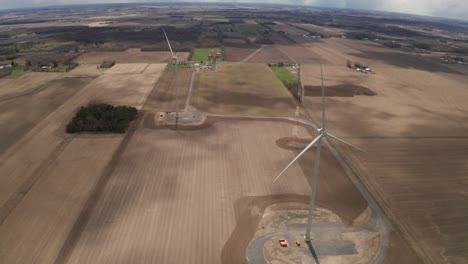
[[356, 65], [281, 64], [102, 118], [107, 64], [56, 62]]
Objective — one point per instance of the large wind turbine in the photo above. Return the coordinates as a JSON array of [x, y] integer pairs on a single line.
[[322, 133], [174, 60]]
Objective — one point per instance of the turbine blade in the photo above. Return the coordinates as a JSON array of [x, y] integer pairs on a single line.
[[169, 44], [298, 156], [323, 99], [347, 143]]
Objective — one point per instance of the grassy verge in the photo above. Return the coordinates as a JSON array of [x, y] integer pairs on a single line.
[[284, 75], [201, 54], [17, 71]]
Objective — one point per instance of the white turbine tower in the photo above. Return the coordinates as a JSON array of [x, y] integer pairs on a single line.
[[174, 60], [322, 133]]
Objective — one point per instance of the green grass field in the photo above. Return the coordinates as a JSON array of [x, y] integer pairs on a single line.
[[201, 54], [284, 75], [18, 71]]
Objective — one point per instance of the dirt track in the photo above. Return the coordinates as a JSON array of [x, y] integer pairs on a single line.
[[236, 54], [270, 54]]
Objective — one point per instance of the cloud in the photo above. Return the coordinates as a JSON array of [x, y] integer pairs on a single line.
[[441, 8]]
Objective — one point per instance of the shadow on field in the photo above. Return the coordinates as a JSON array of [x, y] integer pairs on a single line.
[[341, 90]]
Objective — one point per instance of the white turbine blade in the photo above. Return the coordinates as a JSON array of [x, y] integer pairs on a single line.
[[298, 156], [347, 143], [169, 44], [323, 99]]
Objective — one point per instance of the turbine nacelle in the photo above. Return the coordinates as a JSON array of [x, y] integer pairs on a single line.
[[321, 131]]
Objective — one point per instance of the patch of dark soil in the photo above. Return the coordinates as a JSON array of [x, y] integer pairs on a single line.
[[285, 142], [341, 90]]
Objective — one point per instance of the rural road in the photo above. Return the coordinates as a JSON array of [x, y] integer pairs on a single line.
[[251, 55]]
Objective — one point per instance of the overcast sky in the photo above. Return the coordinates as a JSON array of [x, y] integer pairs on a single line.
[[441, 8]]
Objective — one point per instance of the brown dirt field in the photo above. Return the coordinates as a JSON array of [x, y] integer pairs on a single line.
[[337, 51], [433, 104], [288, 29], [151, 207], [128, 56], [270, 54], [414, 131], [24, 84], [162, 97], [239, 41], [236, 54], [300, 54], [36, 229], [86, 70], [60, 171], [20, 114], [127, 89], [423, 183], [243, 89], [399, 251]]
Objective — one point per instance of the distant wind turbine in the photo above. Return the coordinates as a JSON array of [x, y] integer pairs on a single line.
[[318, 142], [174, 60]]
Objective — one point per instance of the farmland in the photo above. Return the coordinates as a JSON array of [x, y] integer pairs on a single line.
[[404, 147], [59, 165], [248, 89], [236, 54], [202, 190]]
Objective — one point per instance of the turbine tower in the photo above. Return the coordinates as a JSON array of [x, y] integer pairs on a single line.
[[322, 133], [174, 60]]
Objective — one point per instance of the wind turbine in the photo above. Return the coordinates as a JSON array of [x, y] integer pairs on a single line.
[[174, 60], [322, 133]]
